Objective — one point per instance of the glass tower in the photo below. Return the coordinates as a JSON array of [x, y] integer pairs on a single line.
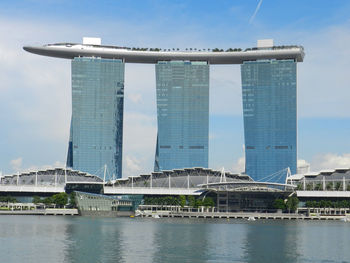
[[183, 115], [269, 94], [96, 132]]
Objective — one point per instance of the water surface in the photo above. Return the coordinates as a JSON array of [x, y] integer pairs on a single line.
[[84, 239]]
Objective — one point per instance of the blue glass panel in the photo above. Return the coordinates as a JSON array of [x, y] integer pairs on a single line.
[[183, 115], [269, 94], [97, 115]]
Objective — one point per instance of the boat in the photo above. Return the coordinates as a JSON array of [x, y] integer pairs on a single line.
[[251, 218]]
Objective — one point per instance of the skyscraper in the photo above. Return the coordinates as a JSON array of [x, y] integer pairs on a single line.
[[183, 114], [96, 133], [269, 93]]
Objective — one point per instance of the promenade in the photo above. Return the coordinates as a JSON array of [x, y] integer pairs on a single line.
[[44, 212]]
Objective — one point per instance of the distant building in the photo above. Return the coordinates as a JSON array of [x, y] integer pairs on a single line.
[[183, 115], [269, 92], [96, 133]]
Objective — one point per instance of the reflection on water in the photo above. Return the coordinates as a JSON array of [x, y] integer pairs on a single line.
[[83, 239], [271, 241]]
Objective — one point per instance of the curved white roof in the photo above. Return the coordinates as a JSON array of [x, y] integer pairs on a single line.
[[69, 51]]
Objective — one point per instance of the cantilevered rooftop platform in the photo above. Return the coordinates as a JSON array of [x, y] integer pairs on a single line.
[[152, 56]]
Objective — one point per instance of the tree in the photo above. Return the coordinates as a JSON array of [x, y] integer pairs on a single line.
[[36, 199], [198, 203], [329, 186], [318, 187], [292, 203], [208, 201], [338, 186], [308, 203], [191, 200], [182, 200], [48, 200], [72, 201], [279, 204], [8, 199], [60, 199], [309, 187]]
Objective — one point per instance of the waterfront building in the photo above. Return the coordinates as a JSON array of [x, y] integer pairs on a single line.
[[269, 105], [182, 114], [96, 132], [90, 204], [269, 93]]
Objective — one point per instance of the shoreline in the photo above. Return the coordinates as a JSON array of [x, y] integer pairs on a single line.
[[247, 216], [188, 215], [45, 212]]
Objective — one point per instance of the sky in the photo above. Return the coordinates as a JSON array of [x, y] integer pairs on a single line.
[[35, 91]]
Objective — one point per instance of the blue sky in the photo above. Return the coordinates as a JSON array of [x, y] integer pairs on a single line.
[[35, 103]]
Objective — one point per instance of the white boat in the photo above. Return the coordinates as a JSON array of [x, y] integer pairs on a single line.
[[251, 218]]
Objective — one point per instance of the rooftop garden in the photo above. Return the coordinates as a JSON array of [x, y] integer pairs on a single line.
[[183, 50]]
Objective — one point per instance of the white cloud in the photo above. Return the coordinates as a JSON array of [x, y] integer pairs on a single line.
[[303, 166], [330, 161], [16, 164], [237, 167], [139, 143], [135, 97], [133, 166]]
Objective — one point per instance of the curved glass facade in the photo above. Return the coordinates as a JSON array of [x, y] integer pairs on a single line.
[[269, 94], [96, 133], [183, 115]]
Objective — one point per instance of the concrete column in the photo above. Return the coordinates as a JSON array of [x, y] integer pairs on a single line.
[[324, 183]]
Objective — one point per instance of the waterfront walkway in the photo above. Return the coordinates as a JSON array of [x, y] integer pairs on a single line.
[[248, 216], [46, 212]]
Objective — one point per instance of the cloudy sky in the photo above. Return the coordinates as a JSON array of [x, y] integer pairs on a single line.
[[35, 92]]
